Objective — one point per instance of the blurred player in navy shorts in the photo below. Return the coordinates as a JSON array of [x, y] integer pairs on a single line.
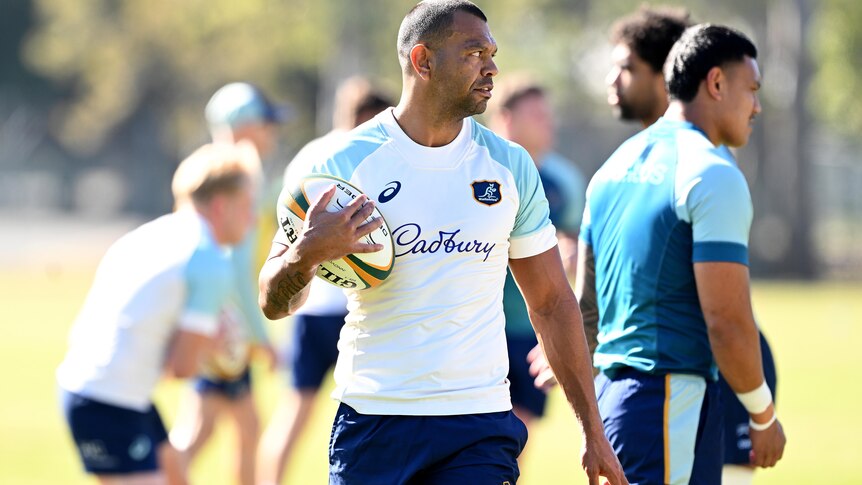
[[153, 309]]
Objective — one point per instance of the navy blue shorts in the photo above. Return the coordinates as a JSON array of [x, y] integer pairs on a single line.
[[737, 442], [314, 348], [664, 428], [524, 392], [112, 440], [475, 449], [232, 389]]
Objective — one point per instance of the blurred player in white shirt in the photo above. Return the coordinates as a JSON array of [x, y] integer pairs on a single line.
[[153, 309]]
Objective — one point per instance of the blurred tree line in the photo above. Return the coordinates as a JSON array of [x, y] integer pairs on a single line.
[[121, 84]]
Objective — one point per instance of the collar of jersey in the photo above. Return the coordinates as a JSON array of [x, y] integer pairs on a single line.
[[446, 157]]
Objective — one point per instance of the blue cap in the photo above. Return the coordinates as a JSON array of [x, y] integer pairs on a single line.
[[237, 104]]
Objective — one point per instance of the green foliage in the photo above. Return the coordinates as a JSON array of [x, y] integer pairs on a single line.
[[837, 51], [120, 57]]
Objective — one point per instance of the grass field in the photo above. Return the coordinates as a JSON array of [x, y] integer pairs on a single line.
[[814, 330]]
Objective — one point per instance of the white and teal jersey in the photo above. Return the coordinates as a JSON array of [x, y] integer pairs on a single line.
[[430, 339], [666, 199], [164, 276]]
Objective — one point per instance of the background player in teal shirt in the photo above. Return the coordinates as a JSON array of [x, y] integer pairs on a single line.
[[664, 247], [636, 90]]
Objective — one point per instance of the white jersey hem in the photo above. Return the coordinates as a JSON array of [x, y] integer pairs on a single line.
[[425, 408], [107, 397], [533, 244]]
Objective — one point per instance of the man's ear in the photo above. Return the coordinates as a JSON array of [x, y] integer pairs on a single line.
[[716, 83], [420, 60]]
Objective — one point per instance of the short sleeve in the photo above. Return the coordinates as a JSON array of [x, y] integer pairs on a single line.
[[533, 232], [209, 280], [717, 204]]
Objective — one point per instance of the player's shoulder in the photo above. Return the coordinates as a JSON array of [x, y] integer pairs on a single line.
[[710, 163], [500, 149], [313, 153], [617, 164], [560, 167], [338, 152], [633, 147], [484, 136], [712, 172], [207, 256], [347, 152]]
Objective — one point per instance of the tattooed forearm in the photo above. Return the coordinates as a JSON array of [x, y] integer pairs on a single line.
[[588, 300], [284, 297], [283, 286]]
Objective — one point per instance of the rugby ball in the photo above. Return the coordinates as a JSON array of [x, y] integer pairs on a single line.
[[230, 360], [354, 271]]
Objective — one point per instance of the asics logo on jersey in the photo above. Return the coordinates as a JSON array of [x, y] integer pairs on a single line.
[[391, 190], [407, 241], [487, 191]]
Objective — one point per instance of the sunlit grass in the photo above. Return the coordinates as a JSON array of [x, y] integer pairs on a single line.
[[814, 330]]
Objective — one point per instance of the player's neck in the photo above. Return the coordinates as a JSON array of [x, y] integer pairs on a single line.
[[696, 114], [424, 125], [653, 117]]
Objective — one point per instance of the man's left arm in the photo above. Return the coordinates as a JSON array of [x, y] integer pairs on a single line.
[[557, 321]]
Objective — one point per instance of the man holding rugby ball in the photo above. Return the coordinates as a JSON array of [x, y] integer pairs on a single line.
[[421, 372]]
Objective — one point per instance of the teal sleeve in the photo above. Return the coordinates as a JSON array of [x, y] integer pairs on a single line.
[[209, 281], [533, 212], [717, 203]]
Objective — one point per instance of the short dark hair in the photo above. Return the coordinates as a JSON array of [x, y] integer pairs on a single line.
[[701, 48], [651, 32], [429, 21]]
